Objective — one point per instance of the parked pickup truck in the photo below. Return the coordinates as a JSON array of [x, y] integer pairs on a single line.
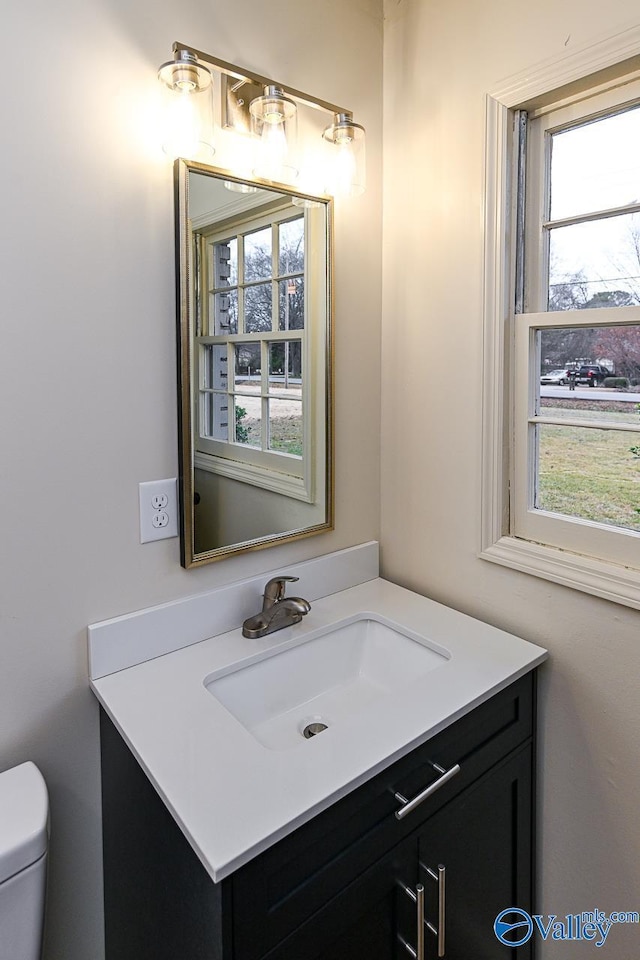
[[592, 373]]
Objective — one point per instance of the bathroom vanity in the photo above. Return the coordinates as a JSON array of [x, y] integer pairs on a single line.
[[343, 885], [401, 830]]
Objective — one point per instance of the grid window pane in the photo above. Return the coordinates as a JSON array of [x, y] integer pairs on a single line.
[[590, 474], [225, 263], [215, 416], [258, 309], [248, 415], [590, 356], [291, 253], [257, 255], [225, 313], [285, 368], [247, 367], [291, 304], [596, 166], [214, 366], [595, 264], [285, 426]]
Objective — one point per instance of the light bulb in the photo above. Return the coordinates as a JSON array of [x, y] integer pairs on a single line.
[[273, 116], [188, 85]]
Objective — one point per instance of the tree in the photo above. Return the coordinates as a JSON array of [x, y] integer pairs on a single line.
[[569, 294], [258, 266], [561, 345], [622, 345], [610, 298]]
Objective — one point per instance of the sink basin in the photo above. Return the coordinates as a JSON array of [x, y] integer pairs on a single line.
[[302, 691]]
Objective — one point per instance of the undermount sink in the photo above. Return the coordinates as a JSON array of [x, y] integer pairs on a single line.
[[303, 690]]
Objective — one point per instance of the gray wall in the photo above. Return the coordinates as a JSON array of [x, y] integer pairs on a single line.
[[87, 364], [441, 58]]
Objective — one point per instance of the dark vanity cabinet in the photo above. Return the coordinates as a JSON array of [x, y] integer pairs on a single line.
[[354, 882]]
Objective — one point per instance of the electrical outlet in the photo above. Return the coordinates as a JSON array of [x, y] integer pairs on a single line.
[[158, 509]]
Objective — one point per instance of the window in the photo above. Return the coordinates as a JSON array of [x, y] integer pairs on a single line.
[[561, 471], [250, 350], [576, 468]]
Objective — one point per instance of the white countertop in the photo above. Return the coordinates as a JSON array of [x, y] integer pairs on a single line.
[[234, 797]]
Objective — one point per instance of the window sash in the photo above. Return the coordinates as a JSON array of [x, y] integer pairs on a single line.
[[278, 460], [537, 200], [617, 545], [275, 470], [235, 232]]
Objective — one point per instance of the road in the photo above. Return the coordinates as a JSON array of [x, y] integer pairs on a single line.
[[589, 393]]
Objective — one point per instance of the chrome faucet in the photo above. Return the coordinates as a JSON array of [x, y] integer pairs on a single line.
[[278, 611]]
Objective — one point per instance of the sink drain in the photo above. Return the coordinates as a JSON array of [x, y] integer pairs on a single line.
[[312, 729]]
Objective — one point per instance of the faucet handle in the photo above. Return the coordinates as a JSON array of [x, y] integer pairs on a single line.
[[275, 589]]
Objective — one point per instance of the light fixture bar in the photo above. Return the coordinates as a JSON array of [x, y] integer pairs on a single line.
[[231, 70]]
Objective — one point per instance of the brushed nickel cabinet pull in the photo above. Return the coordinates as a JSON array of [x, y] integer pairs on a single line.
[[439, 932], [409, 805], [418, 898]]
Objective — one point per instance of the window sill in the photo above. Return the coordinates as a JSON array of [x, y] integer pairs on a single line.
[[607, 580], [283, 483]]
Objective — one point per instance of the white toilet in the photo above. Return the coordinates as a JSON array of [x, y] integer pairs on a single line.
[[24, 813]]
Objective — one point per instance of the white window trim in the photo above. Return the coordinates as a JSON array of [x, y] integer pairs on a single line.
[[257, 476], [603, 579]]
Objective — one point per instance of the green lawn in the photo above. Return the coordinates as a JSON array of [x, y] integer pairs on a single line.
[[589, 474], [286, 434]]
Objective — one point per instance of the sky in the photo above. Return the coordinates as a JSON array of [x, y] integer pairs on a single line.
[[595, 167]]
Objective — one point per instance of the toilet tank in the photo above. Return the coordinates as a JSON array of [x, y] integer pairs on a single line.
[[24, 811]]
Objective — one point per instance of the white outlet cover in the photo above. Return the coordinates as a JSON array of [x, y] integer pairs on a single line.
[[149, 530]]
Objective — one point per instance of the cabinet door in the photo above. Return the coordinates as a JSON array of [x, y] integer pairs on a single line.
[[370, 918], [483, 840]]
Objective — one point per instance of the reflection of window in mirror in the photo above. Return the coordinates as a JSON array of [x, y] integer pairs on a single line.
[[252, 407]]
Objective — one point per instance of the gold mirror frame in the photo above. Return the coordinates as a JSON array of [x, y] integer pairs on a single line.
[[186, 425]]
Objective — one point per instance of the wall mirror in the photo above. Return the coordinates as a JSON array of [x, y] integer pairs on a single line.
[[254, 363]]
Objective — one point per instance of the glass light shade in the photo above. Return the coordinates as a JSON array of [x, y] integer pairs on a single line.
[[274, 124], [347, 177], [187, 92]]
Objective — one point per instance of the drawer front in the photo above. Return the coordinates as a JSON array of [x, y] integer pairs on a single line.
[[294, 879]]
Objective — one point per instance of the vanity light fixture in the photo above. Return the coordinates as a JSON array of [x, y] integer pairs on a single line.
[[257, 115], [349, 170], [274, 125], [187, 88]]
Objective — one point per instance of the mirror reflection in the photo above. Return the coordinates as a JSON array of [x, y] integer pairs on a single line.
[[254, 364]]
